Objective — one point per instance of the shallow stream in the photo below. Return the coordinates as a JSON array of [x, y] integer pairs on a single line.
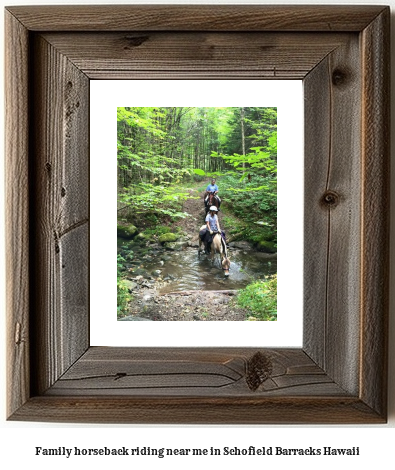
[[185, 270]]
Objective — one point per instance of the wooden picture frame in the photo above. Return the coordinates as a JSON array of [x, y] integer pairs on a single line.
[[340, 374]]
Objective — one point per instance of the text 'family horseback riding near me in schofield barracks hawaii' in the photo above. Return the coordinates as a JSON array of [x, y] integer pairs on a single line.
[[167, 452]]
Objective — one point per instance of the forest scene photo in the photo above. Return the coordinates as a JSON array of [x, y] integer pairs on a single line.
[[197, 214]]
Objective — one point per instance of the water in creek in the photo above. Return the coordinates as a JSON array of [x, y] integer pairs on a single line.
[[185, 270]]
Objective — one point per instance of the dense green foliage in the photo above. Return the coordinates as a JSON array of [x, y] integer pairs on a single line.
[[160, 150], [260, 298], [256, 209]]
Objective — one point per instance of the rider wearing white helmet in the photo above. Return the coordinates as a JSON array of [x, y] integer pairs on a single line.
[[212, 224], [212, 221]]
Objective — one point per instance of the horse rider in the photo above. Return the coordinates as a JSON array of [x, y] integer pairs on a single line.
[[212, 188], [212, 224]]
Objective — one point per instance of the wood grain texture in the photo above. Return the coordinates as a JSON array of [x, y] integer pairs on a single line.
[[200, 54], [192, 372], [376, 211], [60, 184], [74, 282], [17, 213], [198, 410], [196, 17], [339, 376], [332, 200], [317, 113], [159, 385]]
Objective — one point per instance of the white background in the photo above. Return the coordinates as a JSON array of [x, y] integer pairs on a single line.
[[18, 440], [106, 96]]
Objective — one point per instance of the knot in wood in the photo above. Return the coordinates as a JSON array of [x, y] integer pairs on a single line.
[[330, 199], [18, 334], [259, 369], [339, 77], [135, 41], [120, 375]]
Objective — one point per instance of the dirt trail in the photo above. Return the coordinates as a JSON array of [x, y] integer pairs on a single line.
[[195, 207], [193, 306]]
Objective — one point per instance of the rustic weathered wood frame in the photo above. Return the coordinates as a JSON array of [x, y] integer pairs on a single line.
[[339, 376]]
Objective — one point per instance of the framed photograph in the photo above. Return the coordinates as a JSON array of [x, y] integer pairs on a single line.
[[171, 282], [196, 180], [339, 375]]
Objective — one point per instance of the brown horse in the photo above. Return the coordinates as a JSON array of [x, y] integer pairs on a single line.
[[211, 201], [217, 246]]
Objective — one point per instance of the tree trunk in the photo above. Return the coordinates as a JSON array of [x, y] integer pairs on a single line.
[[242, 134]]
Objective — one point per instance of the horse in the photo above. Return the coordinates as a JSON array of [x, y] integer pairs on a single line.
[[211, 200], [217, 246]]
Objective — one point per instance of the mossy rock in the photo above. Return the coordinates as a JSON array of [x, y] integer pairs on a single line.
[[266, 246], [126, 231], [162, 229], [139, 272], [149, 237], [176, 246], [141, 237], [168, 237], [130, 285]]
